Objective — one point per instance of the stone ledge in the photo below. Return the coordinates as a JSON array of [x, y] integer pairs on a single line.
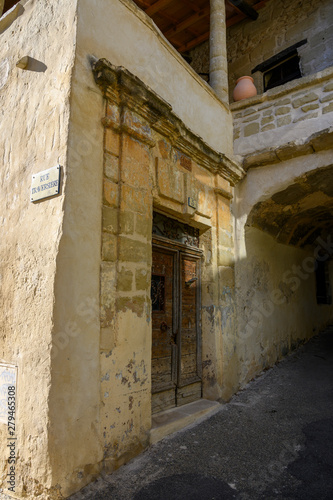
[[176, 419], [293, 86], [316, 142]]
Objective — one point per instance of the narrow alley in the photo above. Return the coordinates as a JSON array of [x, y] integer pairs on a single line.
[[273, 440]]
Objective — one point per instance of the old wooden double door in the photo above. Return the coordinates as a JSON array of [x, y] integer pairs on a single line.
[[176, 334]]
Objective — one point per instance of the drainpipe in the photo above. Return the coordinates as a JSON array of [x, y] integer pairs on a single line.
[[218, 75]]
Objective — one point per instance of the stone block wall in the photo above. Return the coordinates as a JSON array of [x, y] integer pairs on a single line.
[[280, 25], [283, 116]]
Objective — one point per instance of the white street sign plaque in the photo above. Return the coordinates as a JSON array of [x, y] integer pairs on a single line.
[[45, 184]]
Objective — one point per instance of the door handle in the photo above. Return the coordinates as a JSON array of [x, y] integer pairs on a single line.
[[189, 282]]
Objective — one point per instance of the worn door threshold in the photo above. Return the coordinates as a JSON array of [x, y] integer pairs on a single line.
[[173, 420]]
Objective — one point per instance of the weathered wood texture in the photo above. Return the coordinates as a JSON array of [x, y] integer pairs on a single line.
[[176, 354], [162, 320]]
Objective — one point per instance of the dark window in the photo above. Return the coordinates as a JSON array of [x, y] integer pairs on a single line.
[[157, 292], [323, 287], [282, 73], [281, 68]]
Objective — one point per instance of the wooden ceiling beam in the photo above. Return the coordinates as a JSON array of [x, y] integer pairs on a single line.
[[193, 43], [142, 4], [157, 6], [239, 17], [244, 8], [192, 5], [188, 22]]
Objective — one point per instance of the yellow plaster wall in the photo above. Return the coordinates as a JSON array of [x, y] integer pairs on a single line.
[[76, 449], [34, 116], [120, 32], [144, 170]]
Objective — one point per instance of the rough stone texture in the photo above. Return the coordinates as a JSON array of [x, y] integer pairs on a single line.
[[281, 122], [268, 127], [283, 110], [251, 129], [328, 109], [34, 134], [309, 103], [280, 25]]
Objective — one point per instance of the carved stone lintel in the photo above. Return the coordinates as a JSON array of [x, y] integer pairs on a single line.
[[127, 91]]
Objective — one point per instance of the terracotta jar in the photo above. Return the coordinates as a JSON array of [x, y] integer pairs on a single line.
[[244, 88]]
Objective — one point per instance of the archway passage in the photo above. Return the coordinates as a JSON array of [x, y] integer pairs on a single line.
[[299, 214]]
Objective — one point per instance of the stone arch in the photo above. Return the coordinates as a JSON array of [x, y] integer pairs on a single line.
[[299, 213]]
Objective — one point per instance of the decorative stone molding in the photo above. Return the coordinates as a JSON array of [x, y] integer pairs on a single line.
[[127, 91], [316, 142]]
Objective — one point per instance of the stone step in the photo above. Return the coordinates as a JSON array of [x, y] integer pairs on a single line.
[[175, 419]]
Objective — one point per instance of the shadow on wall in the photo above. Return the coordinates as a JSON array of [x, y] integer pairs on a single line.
[[277, 298], [12, 10]]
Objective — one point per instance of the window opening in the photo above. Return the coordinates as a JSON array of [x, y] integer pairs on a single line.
[[283, 72], [281, 68]]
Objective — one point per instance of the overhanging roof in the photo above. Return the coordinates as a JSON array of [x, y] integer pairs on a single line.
[[185, 23]]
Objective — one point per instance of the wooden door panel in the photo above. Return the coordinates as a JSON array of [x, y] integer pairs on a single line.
[[164, 357], [163, 400], [188, 393], [161, 369], [189, 319], [175, 328]]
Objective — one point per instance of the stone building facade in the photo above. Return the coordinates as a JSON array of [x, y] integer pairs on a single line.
[[189, 244]]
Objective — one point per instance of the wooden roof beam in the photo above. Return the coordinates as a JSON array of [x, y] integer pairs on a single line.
[[193, 43], [244, 8], [188, 22], [157, 6]]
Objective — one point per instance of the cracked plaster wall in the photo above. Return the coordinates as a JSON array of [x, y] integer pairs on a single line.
[[34, 135], [275, 283]]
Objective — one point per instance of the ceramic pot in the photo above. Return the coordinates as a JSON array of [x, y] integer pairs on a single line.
[[2, 4], [244, 88]]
